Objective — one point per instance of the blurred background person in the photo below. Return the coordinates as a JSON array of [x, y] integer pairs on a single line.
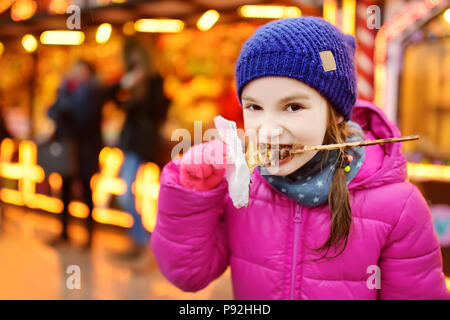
[[141, 140], [77, 116]]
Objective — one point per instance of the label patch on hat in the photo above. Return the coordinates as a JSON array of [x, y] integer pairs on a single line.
[[328, 62]]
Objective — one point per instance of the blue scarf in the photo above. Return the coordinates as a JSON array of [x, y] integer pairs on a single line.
[[310, 184]]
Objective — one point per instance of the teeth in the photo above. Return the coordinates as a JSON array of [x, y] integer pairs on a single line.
[[274, 153], [284, 153]]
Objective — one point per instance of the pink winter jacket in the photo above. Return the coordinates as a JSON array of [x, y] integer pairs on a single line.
[[199, 234]]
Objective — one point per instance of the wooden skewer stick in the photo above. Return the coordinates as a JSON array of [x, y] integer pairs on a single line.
[[351, 144], [255, 158]]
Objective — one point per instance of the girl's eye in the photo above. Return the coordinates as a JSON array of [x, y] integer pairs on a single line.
[[253, 107], [294, 107]]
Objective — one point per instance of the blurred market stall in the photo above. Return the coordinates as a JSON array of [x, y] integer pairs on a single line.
[[403, 58]]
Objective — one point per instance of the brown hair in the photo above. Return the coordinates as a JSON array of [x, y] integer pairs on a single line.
[[339, 197]]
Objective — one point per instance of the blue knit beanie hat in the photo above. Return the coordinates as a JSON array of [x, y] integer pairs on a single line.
[[308, 49]]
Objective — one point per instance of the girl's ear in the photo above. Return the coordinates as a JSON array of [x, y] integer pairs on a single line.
[[340, 119]]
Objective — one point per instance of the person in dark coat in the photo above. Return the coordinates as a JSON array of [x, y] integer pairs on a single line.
[[140, 139], [77, 115]]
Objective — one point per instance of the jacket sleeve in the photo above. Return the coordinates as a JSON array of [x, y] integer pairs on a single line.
[[411, 261], [189, 241]]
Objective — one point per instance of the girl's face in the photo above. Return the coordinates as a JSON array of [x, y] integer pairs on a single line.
[[282, 110]]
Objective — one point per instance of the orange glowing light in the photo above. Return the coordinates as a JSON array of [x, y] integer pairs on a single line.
[[31, 173], [55, 181], [27, 173], [105, 184], [103, 33], [46, 203], [29, 43], [269, 11], [207, 20], [11, 196], [78, 209], [6, 149], [330, 11], [348, 16], [146, 189], [159, 25], [59, 6], [25, 168], [423, 171], [447, 15], [128, 28], [113, 217], [28, 158], [62, 37], [23, 9], [8, 195], [5, 4]]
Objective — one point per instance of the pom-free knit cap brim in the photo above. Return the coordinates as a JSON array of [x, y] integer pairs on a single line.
[[308, 49]]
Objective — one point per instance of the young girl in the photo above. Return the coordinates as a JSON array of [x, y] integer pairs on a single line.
[[320, 225]]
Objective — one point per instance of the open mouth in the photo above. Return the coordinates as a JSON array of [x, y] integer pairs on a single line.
[[275, 154]]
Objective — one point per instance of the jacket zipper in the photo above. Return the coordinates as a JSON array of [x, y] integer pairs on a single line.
[[297, 221]]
